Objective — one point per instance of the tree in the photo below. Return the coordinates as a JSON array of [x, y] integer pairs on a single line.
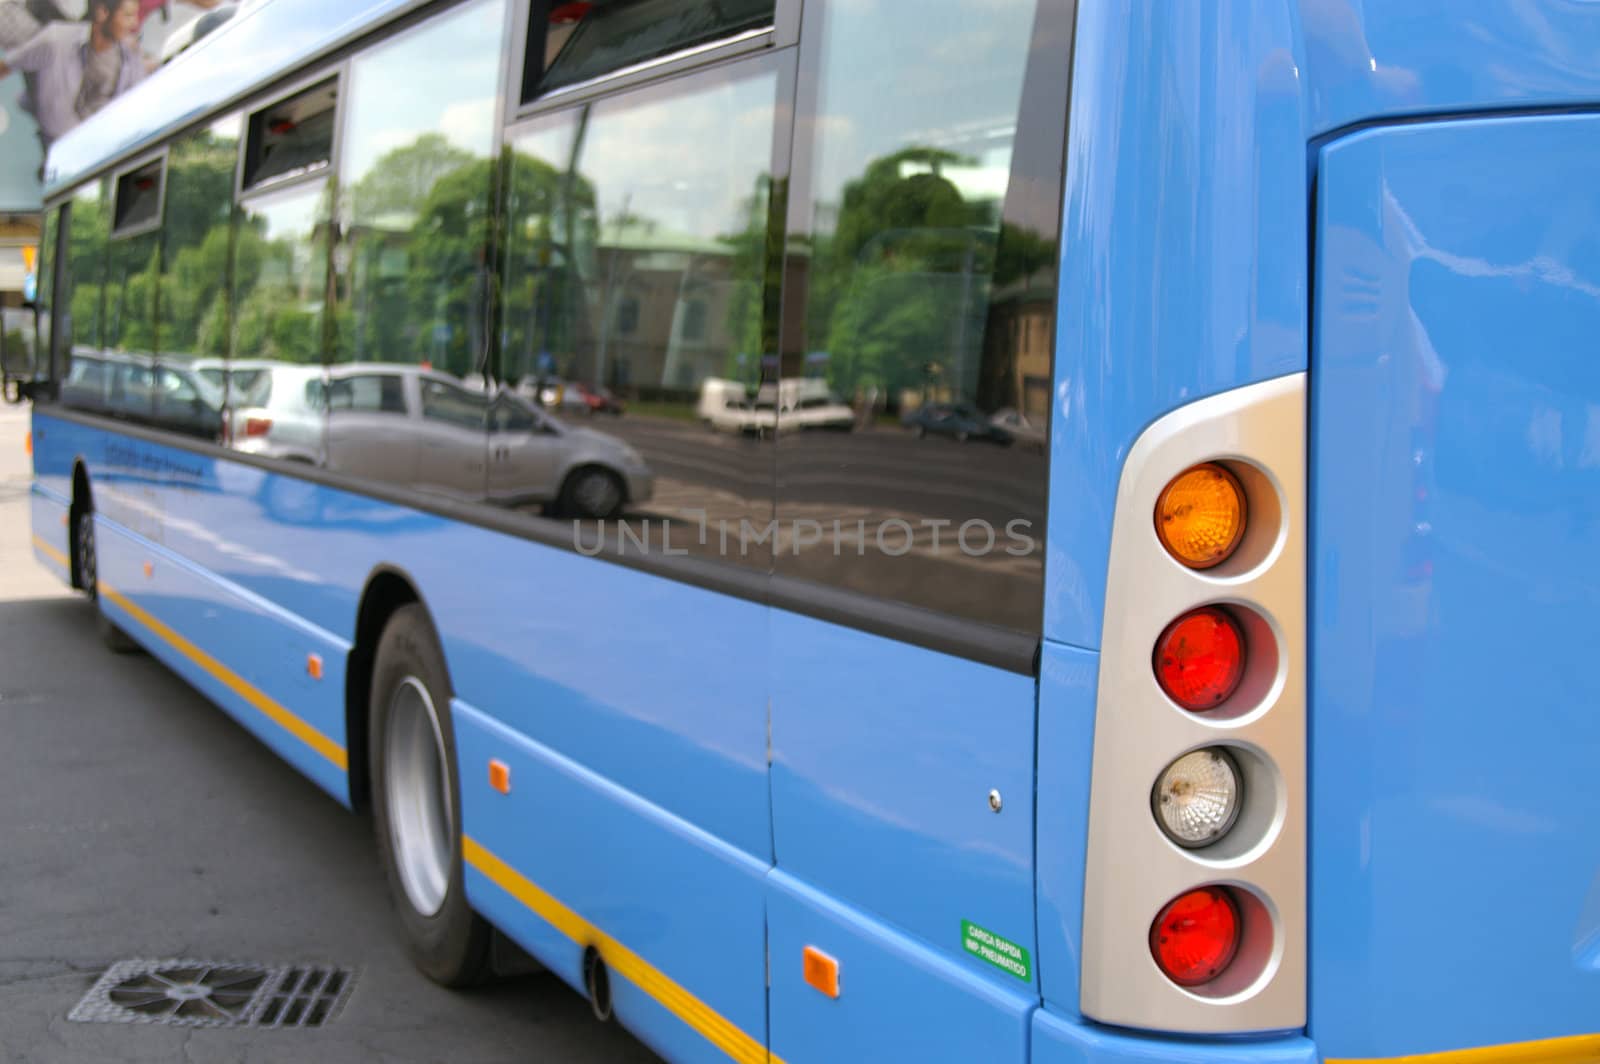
[[898, 290], [401, 179]]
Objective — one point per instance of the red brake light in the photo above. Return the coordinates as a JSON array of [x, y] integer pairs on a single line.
[[257, 426], [1200, 659], [1196, 935]]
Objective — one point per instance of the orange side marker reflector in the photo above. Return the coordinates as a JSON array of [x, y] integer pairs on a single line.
[[822, 971], [64, 521], [499, 775], [149, 570], [314, 666], [27, 443]]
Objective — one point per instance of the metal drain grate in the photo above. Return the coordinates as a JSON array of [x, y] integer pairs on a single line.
[[214, 994]]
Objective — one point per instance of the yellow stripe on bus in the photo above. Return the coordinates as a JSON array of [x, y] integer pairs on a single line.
[[234, 682], [619, 958], [50, 552], [1576, 1049]]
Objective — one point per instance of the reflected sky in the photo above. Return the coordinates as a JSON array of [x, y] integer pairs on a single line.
[[874, 103], [439, 79]]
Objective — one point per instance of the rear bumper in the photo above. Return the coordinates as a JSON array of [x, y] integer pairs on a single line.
[[1058, 1040]]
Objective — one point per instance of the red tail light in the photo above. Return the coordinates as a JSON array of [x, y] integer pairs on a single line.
[[1196, 935], [257, 426], [1200, 659]]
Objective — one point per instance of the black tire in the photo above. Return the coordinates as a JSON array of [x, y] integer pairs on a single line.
[[86, 560], [582, 494], [451, 946]]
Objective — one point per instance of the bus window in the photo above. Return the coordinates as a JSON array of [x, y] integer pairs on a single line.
[[45, 365], [291, 138], [280, 276], [136, 203], [132, 275], [587, 41], [636, 274], [417, 177], [81, 299], [919, 277], [194, 306]]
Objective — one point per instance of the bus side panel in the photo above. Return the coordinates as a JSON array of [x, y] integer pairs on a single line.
[[563, 859], [898, 998], [1068, 684], [48, 519], [536, 638], [1456, 516], [246, 655], [52, 455], [884, 759]]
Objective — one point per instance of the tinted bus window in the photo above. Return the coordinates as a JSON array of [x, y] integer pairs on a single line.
[[44, 366], [280, 270], [196, 311], [81, 301], [136, 205], [636, 281], [280, 290], [590, 40], [292, 137], [418, 178], [927, 318], [133, 275]]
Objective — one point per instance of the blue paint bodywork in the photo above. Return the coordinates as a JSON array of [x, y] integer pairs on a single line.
[[1454, 901], [1068, 678], [1456, 455]]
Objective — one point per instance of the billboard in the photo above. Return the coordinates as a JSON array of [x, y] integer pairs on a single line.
[[63, 60]]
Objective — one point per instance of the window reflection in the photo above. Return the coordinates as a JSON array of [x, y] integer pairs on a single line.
[[636, 281], [586, 41], [195, 301], [927, 317], [280, 280], [81, 299], [407, 399]]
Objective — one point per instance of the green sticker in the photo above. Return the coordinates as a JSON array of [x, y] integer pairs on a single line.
[[1000, 952]]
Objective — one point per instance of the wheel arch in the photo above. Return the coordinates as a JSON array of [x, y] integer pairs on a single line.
[[388, 588]]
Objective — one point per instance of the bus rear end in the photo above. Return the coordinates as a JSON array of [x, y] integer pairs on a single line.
[[1329, 334]]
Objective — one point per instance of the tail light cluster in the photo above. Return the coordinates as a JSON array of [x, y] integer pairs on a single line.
[[1200, 660], [1197, 841]]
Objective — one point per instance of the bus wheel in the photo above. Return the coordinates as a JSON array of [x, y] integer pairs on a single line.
[[416, 802], [113, 637]]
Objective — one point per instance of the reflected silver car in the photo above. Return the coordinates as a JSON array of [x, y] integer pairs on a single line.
[[424, 429], [275, 408]]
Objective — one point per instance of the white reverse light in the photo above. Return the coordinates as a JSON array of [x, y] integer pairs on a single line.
[[1196, 800]]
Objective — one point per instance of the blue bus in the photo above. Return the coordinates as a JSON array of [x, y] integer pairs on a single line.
[[972, 530]]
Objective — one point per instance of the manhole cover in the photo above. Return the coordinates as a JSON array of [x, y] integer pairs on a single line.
[[214, 994]]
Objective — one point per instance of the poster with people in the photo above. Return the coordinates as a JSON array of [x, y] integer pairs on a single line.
[[63, 60]]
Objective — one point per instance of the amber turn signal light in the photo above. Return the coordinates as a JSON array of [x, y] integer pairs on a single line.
[[1200, 516]]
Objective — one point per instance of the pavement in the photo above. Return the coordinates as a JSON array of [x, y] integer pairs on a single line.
[[138, 821]]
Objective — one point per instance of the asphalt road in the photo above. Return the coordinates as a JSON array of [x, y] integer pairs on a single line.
[[138, 821]]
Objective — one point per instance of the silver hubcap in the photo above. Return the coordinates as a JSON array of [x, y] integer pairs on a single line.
[[597, 494], [418, 797]]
